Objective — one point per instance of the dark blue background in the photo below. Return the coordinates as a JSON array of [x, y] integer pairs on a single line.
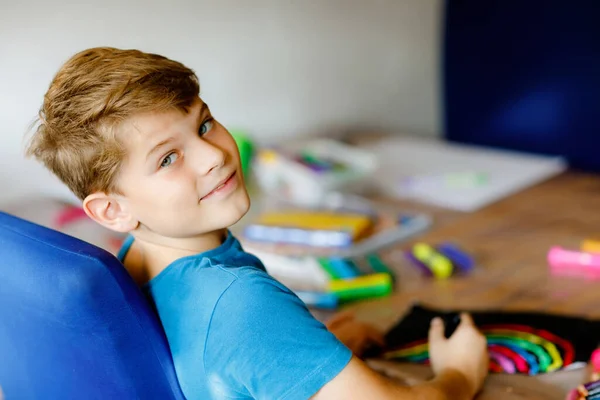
[[524, 75]]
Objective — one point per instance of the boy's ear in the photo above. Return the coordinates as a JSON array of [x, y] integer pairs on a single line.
[[110, 212]]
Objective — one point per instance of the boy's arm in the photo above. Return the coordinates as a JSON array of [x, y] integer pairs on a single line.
[[460, 363], [263, 342], [358, 381]]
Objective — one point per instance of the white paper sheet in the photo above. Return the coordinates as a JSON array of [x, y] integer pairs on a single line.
[[456, 176]]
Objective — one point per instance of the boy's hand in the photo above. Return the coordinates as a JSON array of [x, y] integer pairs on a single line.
[[465, 351], [357, 336]]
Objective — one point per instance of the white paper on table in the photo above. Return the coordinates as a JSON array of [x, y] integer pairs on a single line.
[[427, 170]]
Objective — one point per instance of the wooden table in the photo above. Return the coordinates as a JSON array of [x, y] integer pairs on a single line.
[[510, 240]]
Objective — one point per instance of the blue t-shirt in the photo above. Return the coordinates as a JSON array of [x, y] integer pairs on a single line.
[[236, 333]]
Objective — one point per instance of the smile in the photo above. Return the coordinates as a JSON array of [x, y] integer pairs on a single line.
[[223, 188]]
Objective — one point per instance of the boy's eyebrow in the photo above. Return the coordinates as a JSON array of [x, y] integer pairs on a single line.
[[203, 110], [158, 146]]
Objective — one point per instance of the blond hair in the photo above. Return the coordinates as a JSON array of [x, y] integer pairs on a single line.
[[93, 92]]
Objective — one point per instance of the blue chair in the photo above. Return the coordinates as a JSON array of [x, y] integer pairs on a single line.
[[73, 324]]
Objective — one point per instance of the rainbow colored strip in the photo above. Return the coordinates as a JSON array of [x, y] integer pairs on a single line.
[[513, 349]]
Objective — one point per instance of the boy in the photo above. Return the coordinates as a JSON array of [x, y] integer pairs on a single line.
[[128, 134]]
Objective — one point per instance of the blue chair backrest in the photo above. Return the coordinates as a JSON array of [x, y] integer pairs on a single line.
[[73, 324], [524, 75]]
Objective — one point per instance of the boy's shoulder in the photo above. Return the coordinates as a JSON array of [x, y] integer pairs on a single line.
[[213, 270], [199, 287], [201, 272], [217, 315]]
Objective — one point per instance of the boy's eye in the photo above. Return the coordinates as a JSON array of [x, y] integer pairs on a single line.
[[205, 127], [168, 160]]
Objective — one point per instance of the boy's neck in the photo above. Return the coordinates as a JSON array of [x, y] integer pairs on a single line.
[[149, 257]]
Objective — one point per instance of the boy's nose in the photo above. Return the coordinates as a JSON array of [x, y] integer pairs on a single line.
[[207, 157]]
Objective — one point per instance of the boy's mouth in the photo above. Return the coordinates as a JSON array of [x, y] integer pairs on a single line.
[[222, 187]]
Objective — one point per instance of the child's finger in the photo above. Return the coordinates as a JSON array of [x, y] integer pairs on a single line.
[[436, 330], [466, 320]]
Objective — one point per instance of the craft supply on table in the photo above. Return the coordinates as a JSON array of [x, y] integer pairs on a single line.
[[461, 260], [352, 273], [346, 233], [442, 261], [363, 287], [574, 395], [518, 343], [245, 148], [346, 203], [309, 228], [348, 282], [595, 365], [574, 263], [338, 268], [359, 278], [440, 266], [406, 229], [377, 264], [67, 215], [387, 226], [590, 389], [456, 176], [591, 246], [587, 391], [328, 301], [306, 172], [303, 273], [325, 282]]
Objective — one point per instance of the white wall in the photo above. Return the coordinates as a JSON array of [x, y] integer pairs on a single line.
[[277, 68]]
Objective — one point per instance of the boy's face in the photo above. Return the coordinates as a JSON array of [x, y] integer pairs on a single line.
[[182, 175]]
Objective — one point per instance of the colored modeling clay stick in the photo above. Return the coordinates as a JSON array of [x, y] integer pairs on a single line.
[[560, 256], [461, 260], [246, 149], [506, 364], [591, 385], [358, 269], [362, 266], [268, 156], [420, 266], [363, 287], [595, 359], [440, 266], [590, 246], [573, 395], [318, 300], [378, 265], [594, 392], [315, 167], [67, 215], [573, 262], [343, 269], [588, 388], [353, 225], [328, 268], [315, 162], [595, 363]]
